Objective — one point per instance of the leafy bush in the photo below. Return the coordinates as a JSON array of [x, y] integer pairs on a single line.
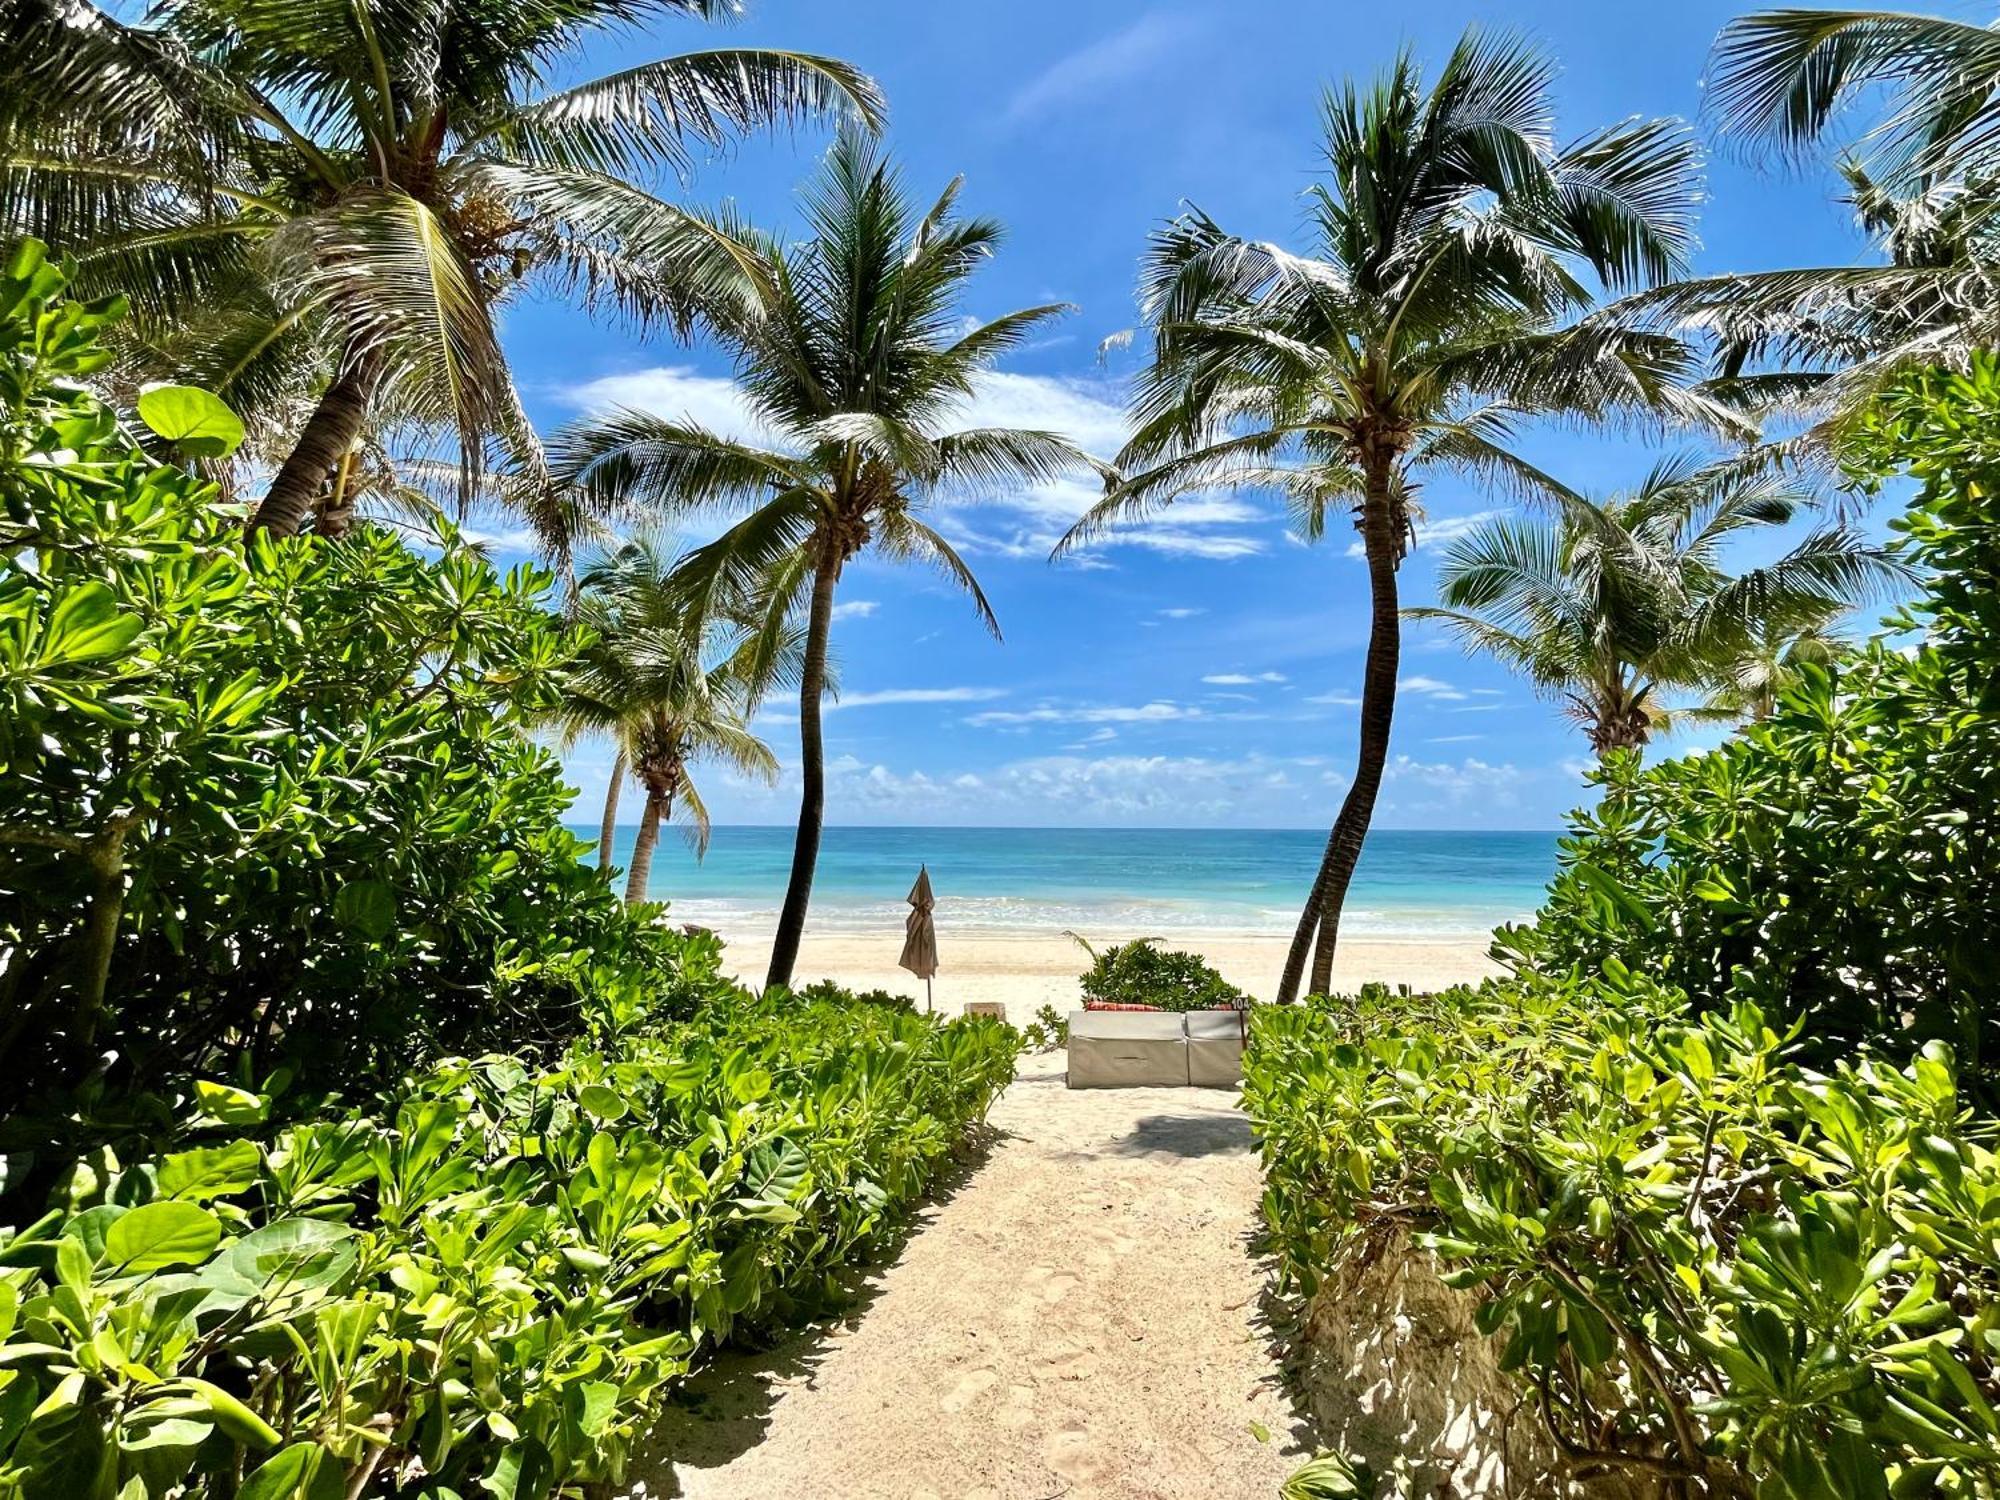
[[268, 805], [1836, 864], [1047, 1031], [1705, 1259], [825, 991], [489, 1288], [1143, 973]]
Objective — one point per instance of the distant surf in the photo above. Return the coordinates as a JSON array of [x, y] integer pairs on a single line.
[[1414, 885]]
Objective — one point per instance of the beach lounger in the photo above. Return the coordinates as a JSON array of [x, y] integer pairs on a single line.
[[1215, 1048], [1126, 1050]]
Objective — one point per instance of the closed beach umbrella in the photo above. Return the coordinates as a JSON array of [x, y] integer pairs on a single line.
[[920, 940]]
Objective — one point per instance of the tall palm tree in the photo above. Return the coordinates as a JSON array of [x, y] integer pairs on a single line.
[[849, 351], [326, 200], [1425, 325], [1821, 340], [1608, 605], [671, 690]]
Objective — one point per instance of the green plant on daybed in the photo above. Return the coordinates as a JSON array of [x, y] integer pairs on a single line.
[[490, 1285], [1142, 972]]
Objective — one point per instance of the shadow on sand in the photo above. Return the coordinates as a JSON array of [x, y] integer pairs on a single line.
[[1188, 1135], [724, 1409]]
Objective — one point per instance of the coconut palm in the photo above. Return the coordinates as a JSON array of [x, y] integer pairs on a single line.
[[324, 201], [850, 353], [1822, 340], [1750, 681], [1608, 606], [1425, 325], [672, 691]]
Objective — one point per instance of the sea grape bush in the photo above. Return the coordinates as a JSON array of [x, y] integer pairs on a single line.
[[1836, 864], [268, 804], [1142, 972], [1706, 1260], [491, 1286]]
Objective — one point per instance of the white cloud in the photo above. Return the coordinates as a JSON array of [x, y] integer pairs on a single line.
[[1430, 687], [1344, 700], [1021, 524], [855, 609], [1453, 739], [1181, 612], [1082, 75], [1157, 712], [915, 695], [675, 392], [1242, 679], [1438, 531]]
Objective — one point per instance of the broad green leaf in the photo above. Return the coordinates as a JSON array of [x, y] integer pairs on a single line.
[[155, 1235], [201, 425], [303, 1471], [367, 907]]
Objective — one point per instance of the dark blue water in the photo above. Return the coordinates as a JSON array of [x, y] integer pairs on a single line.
[[1133, 881]]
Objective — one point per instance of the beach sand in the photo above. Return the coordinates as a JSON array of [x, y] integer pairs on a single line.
[[1027, 970]]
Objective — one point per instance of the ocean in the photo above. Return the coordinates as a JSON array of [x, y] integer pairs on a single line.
[[1125, 882]]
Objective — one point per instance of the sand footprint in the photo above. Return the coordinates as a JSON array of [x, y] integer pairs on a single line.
[[971, 1386], [1058, 1286], [1073, 1455]]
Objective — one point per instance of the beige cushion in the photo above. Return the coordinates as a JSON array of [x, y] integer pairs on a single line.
[[1110, 1049]]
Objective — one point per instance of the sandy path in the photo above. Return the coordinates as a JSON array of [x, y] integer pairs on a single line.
[[1074, 1320]]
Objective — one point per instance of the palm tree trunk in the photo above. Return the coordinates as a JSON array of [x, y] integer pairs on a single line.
[[1382, 547], [609, 826], [325, 439], [812, 777], [637, 878]]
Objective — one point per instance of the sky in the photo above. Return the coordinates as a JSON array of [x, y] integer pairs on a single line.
[[1202, 670]]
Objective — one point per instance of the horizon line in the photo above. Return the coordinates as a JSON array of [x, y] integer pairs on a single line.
[[1074, 827]]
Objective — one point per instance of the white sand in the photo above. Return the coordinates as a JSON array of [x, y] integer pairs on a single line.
[[1077, 1319], [1025, 970]]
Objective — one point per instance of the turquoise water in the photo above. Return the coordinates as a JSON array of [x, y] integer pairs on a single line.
[[1132, 881]]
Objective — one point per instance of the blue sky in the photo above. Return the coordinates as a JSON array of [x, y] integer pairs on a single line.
[[1201, 671]]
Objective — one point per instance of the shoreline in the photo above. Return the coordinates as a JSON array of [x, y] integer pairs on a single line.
[[1027, 968]]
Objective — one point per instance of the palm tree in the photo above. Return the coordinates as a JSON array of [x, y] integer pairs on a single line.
[[323, 203], [671, 690], [1822, 340], [849, 351], [1749, 683], [1608, 605], [1424, 327]]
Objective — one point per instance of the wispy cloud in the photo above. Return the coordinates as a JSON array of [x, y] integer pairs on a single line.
[[1430, 687], [1438, 531], [1181, 612], [1023, 524], [1082, 76], [1157, 712], [1242, 679], [916, 695], [855, 609]]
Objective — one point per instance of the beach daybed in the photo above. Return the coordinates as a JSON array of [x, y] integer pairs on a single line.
[[1112, 1049]]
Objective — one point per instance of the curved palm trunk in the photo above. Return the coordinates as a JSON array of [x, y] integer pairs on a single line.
[[322, 443], [609, 825], [812, 777], [1381, 545], [659, 806]]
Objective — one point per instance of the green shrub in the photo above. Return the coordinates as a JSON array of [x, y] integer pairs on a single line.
[[825, 991], [1047, 1031], [1143, 973], [489, 1288], [1837, 864], [268, 806], [1704, 1259]]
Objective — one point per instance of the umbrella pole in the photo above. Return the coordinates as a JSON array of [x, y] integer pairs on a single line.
[[927, 994]]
